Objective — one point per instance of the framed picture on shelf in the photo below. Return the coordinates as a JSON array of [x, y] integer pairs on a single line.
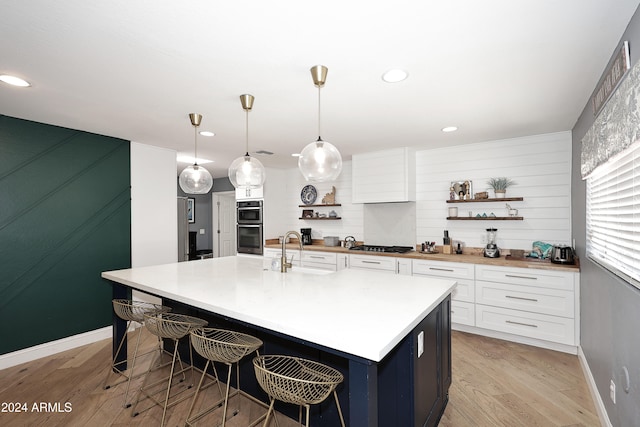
[[307, 213], [461, 190], [191, 210]]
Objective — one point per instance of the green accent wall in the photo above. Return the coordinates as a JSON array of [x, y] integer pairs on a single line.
[[65, 216]]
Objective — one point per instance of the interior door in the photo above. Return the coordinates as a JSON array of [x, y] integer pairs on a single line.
[[224, 222]]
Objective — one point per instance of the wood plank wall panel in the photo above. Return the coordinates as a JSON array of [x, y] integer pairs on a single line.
[[541, 166], [64, 217]]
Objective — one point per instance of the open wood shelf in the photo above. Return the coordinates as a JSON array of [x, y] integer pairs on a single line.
[[487, 218], [320, 205], [315, 219], [506, 199]]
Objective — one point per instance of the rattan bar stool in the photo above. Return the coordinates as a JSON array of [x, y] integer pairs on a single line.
[[131, 311], [228, 347], [299, 381], [167, 326]]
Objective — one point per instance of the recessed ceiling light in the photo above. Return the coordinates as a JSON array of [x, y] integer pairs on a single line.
[[449, 129], [206, 133], [295, 154], [14, 81], [192, 160], [395, 76]]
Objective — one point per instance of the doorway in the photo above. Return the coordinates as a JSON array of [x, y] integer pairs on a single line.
[[224, 223]]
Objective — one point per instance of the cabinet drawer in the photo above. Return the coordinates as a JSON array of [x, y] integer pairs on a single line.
[[540, 326], [537, 300], [372, 262], [319, 257], [319, 265], [463, 313], [464, 291], [526, 276], [444, 269]]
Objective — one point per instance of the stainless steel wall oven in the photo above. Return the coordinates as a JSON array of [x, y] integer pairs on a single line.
[[249, 227]]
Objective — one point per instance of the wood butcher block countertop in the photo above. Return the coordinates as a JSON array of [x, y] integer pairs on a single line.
[[470, 255]]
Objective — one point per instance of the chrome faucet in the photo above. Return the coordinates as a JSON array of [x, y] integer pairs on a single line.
[[283, 258]]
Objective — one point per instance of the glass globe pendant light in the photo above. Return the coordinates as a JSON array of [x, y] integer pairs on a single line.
[[195, 179], [246, 171], [320, 160]]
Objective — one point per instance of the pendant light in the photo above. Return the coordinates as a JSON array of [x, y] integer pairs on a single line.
[[320, 160], [247, 172], [195, 179]]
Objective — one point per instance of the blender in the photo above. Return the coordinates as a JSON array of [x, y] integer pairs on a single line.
[[491, 250]]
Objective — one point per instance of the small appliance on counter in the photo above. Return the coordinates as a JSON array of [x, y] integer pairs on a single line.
[[562, 254], [491, 250], [306, 236], [349, 242]]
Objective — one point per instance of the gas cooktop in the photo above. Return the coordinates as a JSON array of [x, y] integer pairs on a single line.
[[389, 249]]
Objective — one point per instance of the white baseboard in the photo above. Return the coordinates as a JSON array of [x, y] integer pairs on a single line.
[[565, 348], [597, 400], [47, 349]]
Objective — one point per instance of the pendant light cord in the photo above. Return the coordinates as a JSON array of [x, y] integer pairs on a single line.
[[195, 137], [319, 87], [247, 131]]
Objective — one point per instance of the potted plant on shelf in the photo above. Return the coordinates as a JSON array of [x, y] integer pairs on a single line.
[[500, 186]]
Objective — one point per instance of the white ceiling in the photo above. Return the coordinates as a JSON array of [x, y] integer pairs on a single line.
[[134, 69]]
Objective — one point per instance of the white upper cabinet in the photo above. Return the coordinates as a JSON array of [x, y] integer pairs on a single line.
[[249, 194], [384, 176]]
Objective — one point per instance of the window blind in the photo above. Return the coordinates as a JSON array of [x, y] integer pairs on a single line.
[[613, 214]]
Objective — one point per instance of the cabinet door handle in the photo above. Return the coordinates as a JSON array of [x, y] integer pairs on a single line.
[[371, 262], [522, 298], [522, 324], [317, 257], [520, 277], [441, 269]]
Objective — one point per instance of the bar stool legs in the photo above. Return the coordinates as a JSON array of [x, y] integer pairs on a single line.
[[170, 326], [228, 347], [131, 311]]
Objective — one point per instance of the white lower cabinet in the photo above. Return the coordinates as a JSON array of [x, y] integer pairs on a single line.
[[535, 306], [403, 266], [538, 304], [463, 313], [463, 295], [342, 261], [526, 298], [373, 262], [320, 260], [556, 329], [272, 256]]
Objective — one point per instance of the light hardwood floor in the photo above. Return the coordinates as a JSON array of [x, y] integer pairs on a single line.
[[495, 383]]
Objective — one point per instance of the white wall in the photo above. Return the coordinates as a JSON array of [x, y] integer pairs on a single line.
[[154, 217], [154, 212], [282, 197], [541, 167]]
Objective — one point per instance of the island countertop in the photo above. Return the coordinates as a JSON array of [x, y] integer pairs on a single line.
[[358, 312]]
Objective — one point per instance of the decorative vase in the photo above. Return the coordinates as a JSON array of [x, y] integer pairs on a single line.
[[500, 194]]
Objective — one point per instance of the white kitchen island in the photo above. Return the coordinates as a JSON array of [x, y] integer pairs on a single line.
[[373, 325]]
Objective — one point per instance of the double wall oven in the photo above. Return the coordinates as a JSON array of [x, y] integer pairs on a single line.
[[249, 227]]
